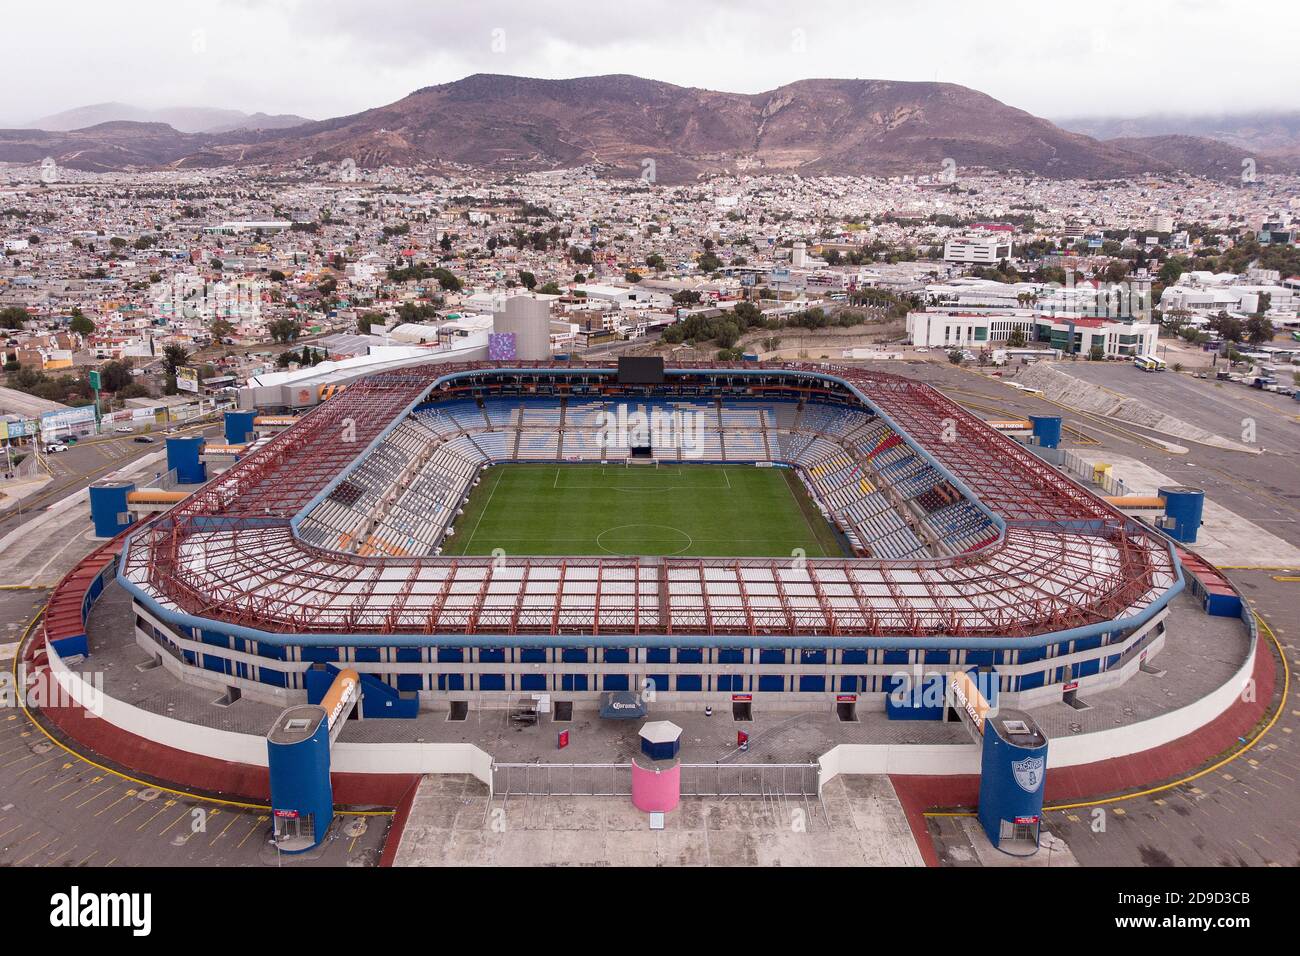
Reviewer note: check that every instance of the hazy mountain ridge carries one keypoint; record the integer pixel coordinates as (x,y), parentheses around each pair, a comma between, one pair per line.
(184,119)
(626,123)
(1264,132)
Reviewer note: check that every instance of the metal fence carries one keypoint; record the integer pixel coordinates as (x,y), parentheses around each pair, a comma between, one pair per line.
(1082,469)
(750,780)
(562,779)
(764,780)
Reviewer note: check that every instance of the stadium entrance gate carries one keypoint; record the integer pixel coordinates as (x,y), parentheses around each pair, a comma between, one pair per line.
(778,785)
(615,780)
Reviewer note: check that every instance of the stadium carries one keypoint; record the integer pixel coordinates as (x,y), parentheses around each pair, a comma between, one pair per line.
(437,565)
(409,528)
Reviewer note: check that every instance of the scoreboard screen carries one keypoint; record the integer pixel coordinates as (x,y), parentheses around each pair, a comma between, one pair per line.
(640,371)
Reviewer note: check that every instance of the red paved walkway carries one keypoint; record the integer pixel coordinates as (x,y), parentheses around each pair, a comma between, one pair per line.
(207,775)
(1137,771)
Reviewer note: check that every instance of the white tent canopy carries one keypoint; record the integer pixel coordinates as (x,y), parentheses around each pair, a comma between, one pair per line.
(660,732)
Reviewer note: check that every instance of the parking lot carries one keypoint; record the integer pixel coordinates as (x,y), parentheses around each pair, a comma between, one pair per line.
(58,809)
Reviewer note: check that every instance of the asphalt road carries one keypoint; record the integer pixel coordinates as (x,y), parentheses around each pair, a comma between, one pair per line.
(87,461)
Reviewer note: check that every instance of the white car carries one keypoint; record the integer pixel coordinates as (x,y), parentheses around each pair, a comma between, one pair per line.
(123,430)
(53,447)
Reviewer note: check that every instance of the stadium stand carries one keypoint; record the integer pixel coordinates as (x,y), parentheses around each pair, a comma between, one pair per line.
(860,472)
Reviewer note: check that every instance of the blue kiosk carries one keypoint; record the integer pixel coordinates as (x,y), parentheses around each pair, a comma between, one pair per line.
(1013,767)
(298,754)
(109,511)
(1183,509)
(1047,429)
(239,427)
(183,457)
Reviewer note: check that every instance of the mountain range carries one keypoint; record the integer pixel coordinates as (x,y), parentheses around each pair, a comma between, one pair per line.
(620,123)
(184,119)
(1270,133)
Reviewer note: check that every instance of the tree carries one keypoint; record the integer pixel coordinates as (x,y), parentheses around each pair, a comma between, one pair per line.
(115,376)
(709,262)
(173,357)
(632,276)
(655,262)
(445,243)
(447,281)
(1016,340)
(1258,330)
(13,317)
(1229,326)
(527,279)
(283,330)
(285,359)
(1175,319)
(551,289)
(1097,353)
(81,324)
(221,329)
(367,320)
(955,356)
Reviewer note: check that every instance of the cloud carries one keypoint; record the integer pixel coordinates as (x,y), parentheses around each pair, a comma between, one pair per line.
(332,57)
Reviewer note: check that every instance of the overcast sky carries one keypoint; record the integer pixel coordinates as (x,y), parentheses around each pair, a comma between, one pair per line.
(323,58)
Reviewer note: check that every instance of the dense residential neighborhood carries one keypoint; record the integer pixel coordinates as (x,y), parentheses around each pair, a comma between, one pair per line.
(249,275)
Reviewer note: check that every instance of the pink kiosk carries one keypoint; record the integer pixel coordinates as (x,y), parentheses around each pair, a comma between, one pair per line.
(657,771)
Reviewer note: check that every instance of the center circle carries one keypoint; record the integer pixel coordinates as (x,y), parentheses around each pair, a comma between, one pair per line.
(644,540)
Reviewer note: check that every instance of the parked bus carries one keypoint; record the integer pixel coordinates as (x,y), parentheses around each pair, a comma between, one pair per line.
(1149,363)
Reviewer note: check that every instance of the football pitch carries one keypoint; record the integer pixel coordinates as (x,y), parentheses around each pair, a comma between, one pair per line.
(695,510)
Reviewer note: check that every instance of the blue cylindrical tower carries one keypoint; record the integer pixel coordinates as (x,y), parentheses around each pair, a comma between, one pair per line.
(302,798)
(183,457)
(108,506)
(1013,770)
(1184,506)
(239,427)
(1047,429)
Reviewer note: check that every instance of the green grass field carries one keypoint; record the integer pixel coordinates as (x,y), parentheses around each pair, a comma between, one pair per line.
(699,510)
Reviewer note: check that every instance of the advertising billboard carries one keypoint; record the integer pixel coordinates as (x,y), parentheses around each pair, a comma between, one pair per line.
(187,379)
(66,420)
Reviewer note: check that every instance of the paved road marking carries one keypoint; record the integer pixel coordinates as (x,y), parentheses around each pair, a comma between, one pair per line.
(151,819)
(233,818)
(95,797)
(257,825)
(34,852)
(185,812)
(114,803)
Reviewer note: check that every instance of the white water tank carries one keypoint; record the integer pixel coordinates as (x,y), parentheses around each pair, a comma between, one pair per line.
(529,320)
